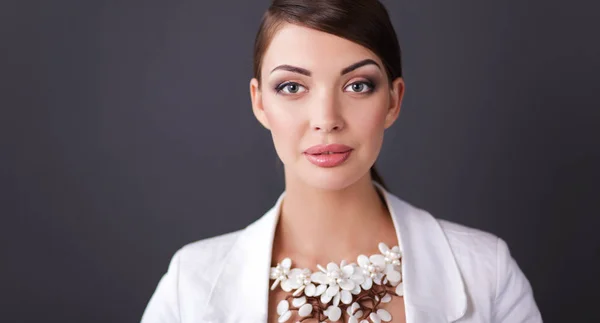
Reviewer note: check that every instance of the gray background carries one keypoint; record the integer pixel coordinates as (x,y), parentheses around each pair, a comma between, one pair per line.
(126,132)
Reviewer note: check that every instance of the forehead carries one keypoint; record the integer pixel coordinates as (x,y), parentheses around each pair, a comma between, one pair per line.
(312,49)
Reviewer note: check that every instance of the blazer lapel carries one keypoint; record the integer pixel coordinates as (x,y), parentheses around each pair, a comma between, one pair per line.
(240,293)
(433,287)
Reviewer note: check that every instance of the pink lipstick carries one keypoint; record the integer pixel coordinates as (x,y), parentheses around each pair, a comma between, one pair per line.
(328,155)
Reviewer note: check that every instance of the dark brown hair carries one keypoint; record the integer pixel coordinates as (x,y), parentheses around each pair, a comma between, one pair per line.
(365,22)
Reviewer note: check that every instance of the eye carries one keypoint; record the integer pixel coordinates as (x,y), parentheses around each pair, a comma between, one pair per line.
(360,87)
(290,88)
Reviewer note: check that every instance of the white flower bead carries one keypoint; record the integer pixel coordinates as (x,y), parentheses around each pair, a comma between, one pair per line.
(383,248)
(333,290)
(392,274)
(282,307)
(348,270)
(297,302)
(336,299)
(400,289)
(286,263)
(384,315)
(282,268)
(298,291)
(386,299)
(298,277)
(346,284)
(284,317)
(286,285)
(305,310)
(367,284)
(325,299)
(372,269)
(320,290)
(346,297)
(378,261)
(332,267)
(350,310)
(390,254)
(334,313)
(319,277)
(374,318)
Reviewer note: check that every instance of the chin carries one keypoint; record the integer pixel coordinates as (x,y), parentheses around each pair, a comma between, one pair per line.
(334,178)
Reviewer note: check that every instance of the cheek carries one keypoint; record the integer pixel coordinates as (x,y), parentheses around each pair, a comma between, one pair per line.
(369,121)
(280,116)
(286,128)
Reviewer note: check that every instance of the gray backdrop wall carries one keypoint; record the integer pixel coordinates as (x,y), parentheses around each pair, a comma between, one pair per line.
(126,128)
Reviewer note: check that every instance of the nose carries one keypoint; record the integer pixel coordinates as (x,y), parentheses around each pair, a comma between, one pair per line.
(326,114)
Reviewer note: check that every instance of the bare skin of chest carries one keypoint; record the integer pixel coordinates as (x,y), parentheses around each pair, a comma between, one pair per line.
(395,307)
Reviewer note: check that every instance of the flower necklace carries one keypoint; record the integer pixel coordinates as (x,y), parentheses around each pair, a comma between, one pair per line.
(358,289)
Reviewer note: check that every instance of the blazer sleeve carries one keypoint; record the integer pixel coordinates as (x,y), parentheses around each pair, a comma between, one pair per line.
(163,306)
(514,302)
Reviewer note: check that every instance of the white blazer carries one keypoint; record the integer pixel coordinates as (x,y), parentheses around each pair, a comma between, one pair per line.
(451,273)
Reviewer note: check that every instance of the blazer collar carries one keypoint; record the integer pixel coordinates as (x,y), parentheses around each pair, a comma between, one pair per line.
(433,287)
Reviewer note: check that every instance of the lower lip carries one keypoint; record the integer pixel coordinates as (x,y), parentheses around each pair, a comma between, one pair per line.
(329,160)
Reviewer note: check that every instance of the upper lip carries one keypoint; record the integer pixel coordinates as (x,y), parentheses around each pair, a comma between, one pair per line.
(331,148)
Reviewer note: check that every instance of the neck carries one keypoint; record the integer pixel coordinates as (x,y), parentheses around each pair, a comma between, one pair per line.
(317,224)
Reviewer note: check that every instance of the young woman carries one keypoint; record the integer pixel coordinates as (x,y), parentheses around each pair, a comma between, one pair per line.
(337,246)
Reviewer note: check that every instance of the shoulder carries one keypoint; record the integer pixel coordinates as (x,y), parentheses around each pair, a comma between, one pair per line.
(465,240)
(188,280)
(476,251)
(199,265)
(202,257)
(476,264)
(220,243)
(489,269)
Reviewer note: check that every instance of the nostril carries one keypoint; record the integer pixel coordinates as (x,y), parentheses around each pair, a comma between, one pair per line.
(327,128)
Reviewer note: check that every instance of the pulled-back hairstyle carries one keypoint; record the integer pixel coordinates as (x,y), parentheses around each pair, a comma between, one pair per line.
(365,22)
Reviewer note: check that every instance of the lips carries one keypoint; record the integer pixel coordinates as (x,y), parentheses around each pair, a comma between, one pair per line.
(328,149)
(328,155)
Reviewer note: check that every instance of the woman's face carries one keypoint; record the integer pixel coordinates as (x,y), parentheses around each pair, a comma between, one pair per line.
(318,89)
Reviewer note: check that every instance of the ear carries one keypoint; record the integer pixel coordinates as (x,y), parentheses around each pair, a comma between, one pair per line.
(257,105)
(396,95)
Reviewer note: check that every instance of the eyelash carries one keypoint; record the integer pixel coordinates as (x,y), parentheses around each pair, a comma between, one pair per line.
(283,85)
(368,83)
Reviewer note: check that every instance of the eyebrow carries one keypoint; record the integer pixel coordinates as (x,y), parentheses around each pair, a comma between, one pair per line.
(362,63)
(293,69)
(346,70)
